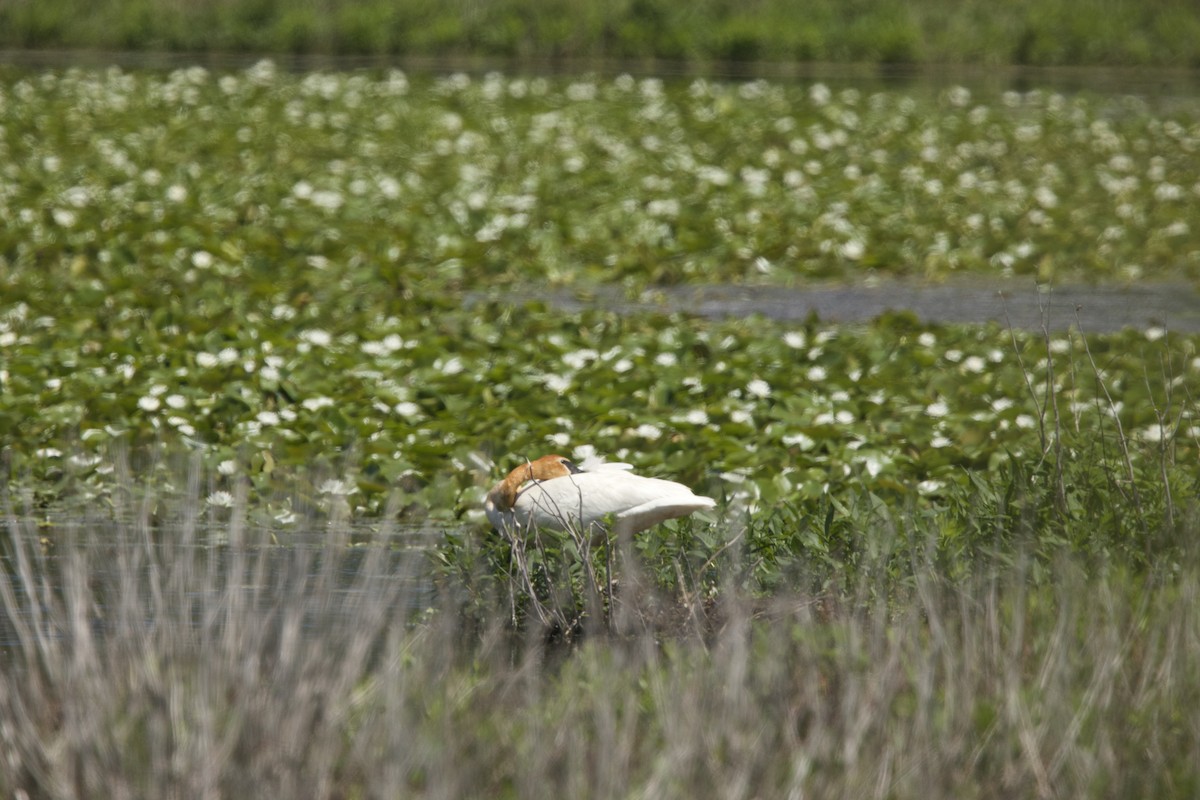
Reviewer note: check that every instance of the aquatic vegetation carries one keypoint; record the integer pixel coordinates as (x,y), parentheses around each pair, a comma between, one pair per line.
(268,270)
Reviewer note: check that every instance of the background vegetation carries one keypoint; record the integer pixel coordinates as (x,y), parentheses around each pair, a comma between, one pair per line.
(1070,32)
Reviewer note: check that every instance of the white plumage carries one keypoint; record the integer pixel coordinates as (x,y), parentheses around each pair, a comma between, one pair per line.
(552,492)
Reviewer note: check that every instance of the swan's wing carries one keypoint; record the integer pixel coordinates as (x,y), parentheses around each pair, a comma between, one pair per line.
(586,498)
(660,509)
(567,502)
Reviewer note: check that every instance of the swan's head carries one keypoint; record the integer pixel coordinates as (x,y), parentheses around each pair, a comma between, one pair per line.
(504,495)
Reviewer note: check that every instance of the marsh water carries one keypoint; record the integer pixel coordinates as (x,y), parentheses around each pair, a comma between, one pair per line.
(1021,305)
(113,578)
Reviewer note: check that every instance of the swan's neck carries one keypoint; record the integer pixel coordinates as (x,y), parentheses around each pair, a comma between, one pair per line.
(503,495)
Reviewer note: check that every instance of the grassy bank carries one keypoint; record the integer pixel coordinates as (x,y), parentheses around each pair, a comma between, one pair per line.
(1109,32)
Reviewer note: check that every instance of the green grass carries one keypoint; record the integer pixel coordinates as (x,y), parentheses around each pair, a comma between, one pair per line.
(1106,32)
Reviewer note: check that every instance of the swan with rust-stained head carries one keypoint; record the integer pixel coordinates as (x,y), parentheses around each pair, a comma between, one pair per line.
(553,492)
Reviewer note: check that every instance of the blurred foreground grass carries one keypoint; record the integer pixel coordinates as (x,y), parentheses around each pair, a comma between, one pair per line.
(135,660)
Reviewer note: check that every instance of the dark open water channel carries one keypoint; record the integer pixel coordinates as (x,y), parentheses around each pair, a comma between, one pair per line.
(1089,309)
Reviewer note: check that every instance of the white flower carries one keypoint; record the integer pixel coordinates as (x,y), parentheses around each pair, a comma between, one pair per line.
(663,208)
(452,366)
(758,388)
(714,175)
(84,460)
(585,452)
(795,340)
(317,403)
(1045,197)
(337,487)
(556,383)
(973,364)
(937,409)
(316,337)
(202,259)
(579,358)
(220,499)
(407,408)
(647,431)
(1151,433)
(48,452)
(958,96)
(1168,191)
(665,359)
(929,486)
(939,441)
(227,467)
(175,192)
(267,417)
(853,250)
(816,374)
(149,403)
(77,196)
(801,440)
(697,416)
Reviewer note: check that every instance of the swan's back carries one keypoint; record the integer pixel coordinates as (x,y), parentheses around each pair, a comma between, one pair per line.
(587,498)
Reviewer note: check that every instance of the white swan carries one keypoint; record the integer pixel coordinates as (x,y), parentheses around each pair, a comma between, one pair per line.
(552,492)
